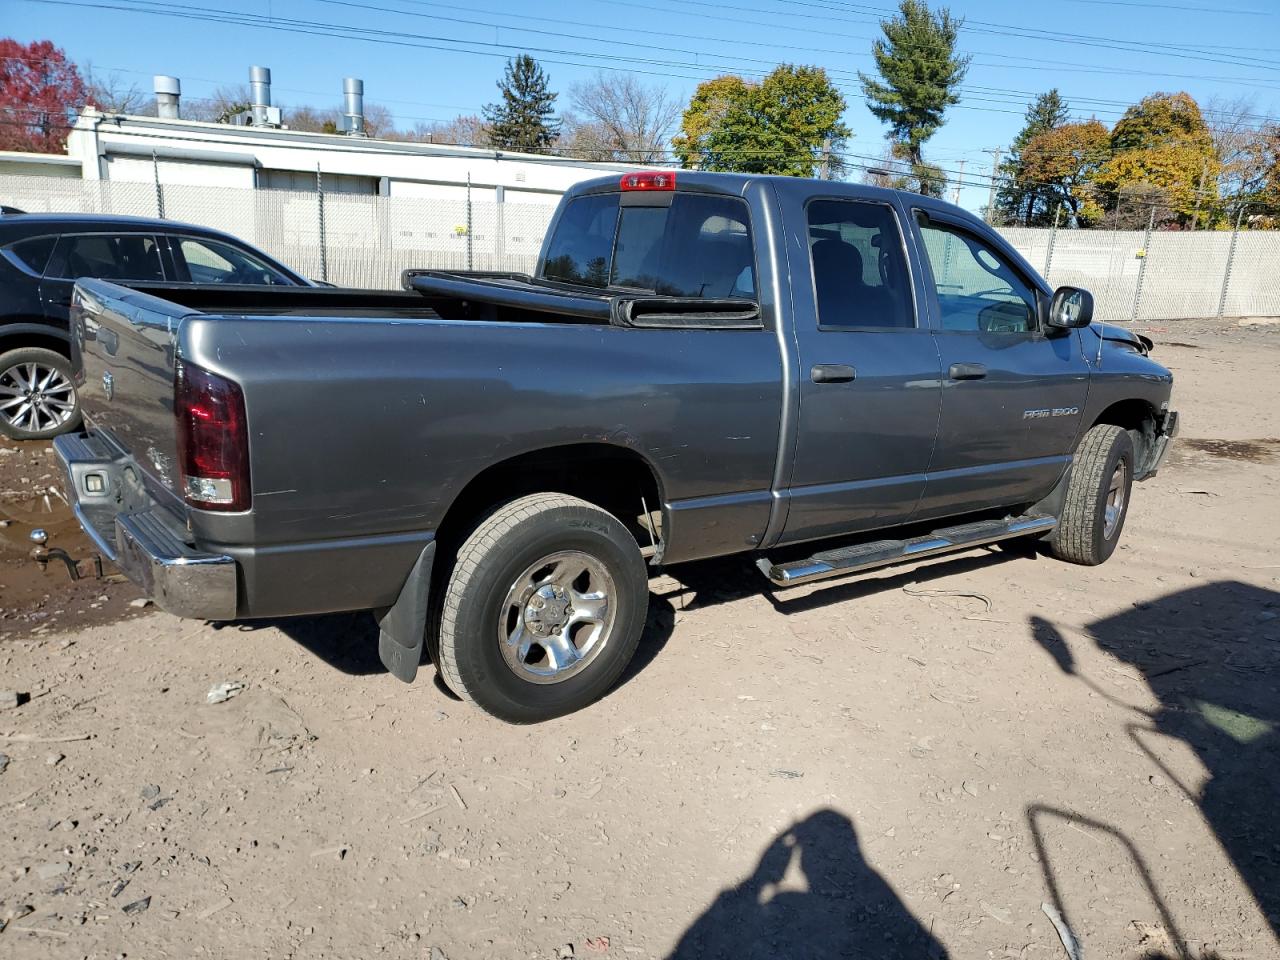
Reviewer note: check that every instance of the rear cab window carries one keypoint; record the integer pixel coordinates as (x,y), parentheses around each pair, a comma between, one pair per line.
(698,245)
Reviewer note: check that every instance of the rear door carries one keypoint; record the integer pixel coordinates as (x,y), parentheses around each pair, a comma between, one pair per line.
(868,368)
(1013,394)
(105,256)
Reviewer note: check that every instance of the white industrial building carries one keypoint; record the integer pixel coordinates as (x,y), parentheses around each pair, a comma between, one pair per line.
(343,205)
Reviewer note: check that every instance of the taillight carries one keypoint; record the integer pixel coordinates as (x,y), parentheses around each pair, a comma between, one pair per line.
(213,440)
(652,180)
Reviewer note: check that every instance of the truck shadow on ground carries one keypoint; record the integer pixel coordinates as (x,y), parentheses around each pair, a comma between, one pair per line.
(843,908)
(349,641)
(708,583)
(1211,656)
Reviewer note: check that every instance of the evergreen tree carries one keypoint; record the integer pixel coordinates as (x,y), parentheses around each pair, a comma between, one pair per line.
(523,120)
(920,74)
(1020,201)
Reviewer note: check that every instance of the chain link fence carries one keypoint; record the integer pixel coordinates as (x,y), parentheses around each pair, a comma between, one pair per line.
(365,241)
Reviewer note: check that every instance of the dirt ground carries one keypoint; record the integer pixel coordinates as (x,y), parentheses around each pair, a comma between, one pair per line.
(907,765)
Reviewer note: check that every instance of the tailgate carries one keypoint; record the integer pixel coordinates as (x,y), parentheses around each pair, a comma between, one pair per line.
(126,346)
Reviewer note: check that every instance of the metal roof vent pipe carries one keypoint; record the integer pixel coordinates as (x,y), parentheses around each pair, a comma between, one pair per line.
(168,92)
(263,114)
(353,107)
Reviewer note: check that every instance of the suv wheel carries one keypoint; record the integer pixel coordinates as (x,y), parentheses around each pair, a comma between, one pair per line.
(1097,500)
(543,609)
(37,398)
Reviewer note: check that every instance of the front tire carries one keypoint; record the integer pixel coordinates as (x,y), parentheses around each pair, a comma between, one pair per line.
(543,609)
(38,400)
(1098,494)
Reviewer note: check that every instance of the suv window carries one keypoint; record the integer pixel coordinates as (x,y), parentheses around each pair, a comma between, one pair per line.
(33,254)
(130,256)
(211,261)
(860,276)
(978,289)
(699,246)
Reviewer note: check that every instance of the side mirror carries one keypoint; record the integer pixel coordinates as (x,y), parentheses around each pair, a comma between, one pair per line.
(1071,309)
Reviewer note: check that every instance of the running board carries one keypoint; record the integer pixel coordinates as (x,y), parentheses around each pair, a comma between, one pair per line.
(881,553)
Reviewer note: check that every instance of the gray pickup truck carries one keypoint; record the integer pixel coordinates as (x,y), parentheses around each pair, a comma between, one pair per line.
(834,377)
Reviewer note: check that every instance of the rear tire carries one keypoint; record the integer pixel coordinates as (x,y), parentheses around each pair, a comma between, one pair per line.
(38,400)
(1097,500)
(543,609)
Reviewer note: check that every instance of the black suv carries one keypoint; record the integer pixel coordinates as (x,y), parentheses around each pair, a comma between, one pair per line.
(42,255)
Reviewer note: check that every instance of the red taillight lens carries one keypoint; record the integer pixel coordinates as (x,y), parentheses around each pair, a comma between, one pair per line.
(213,440)
(653,180)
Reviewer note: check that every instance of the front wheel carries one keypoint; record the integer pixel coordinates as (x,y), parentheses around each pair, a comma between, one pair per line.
(37,398)
(1097,500)
(543,609)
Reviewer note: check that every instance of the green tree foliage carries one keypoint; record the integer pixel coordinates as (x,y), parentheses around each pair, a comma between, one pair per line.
(787,124)
(1162,149)
(920,75)
(524,118)
(1059,165)
(1021,198)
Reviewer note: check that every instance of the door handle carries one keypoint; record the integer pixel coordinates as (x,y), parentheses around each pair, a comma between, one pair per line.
(832,373)
(967,371)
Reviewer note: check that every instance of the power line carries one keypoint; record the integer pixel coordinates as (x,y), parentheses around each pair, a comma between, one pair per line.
(399,38)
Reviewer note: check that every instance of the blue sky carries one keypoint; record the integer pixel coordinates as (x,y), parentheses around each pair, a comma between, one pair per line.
(437,59)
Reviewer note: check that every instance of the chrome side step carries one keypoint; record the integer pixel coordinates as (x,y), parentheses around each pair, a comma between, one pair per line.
(881,553)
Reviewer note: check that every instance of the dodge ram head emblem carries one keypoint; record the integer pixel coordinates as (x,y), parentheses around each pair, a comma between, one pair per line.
(108,384)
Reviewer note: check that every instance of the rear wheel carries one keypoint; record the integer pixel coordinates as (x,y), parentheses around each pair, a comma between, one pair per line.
(37,398)
(543,609)
(1097,499)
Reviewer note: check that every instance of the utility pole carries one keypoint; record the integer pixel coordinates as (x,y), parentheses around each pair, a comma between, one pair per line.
(1204,172)
(995,169)
(824,165)
(959,183)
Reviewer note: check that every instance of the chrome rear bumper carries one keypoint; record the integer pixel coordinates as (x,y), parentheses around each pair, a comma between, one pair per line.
(144,540)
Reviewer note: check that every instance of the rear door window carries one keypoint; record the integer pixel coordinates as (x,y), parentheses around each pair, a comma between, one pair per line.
(129,256)
(860,276)
(698,246)
(32,255)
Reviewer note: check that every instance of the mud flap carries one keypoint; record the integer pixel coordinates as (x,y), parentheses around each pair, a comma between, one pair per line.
(403,625)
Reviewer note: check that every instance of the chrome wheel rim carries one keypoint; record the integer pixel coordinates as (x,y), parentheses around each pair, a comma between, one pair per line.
(1114,509)
(557,617)
(36,397)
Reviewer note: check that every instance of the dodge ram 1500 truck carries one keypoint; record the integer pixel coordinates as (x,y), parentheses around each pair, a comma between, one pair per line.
(834,377)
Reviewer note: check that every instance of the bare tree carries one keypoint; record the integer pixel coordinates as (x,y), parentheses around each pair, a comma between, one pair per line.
(220,107)
(618,113)
(1232,123)
(112,93)
(463,131)
(584,140)
(311,119)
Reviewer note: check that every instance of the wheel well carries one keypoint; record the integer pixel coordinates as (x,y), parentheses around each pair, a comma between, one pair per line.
(16,341)
(1137,417)
(613,478)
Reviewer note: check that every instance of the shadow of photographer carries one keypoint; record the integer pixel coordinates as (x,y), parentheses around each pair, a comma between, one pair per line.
(812,896)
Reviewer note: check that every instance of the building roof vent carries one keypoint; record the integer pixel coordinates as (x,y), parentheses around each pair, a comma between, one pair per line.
(353,107)
(168,92)
(261,112)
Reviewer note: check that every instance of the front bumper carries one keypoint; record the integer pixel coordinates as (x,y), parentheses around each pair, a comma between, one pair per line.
(140,536)
(1166,430)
